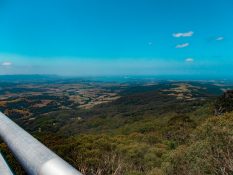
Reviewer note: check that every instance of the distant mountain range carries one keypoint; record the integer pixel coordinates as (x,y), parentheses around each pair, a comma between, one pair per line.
(121,78)
(28,78)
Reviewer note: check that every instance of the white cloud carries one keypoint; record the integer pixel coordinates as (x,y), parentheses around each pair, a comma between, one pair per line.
(182,45)
(220,38)
(189,60)
(186,34)
(6,63)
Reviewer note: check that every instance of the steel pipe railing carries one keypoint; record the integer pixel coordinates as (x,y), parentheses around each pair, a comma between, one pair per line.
(35,157)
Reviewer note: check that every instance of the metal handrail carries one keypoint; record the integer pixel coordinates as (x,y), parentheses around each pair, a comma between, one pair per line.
(35,157)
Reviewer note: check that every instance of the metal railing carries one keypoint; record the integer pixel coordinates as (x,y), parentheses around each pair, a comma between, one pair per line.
(35,157)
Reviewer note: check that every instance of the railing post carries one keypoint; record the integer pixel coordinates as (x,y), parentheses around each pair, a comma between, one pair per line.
(4,169)
(35,157)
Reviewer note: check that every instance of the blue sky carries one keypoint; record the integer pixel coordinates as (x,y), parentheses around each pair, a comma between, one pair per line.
(116,37)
